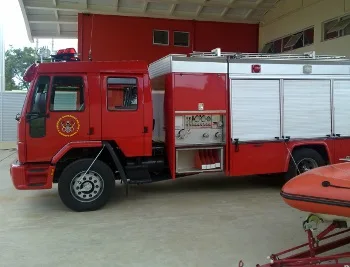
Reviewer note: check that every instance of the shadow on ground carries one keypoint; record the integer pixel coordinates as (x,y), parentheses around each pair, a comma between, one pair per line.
(199,184)
(181,188)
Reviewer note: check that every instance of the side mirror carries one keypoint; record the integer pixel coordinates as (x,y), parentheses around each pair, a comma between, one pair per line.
(18,116)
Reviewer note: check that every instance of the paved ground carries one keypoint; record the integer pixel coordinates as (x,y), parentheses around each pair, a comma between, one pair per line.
(196,221)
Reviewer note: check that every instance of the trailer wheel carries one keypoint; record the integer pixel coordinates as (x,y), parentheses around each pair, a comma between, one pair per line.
(306,159)
(89,192)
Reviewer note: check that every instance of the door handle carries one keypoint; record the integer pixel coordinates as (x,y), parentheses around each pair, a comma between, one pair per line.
(91,131)
(145,129)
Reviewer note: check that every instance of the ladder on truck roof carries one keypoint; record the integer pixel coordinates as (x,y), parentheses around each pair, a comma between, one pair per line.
(234,55)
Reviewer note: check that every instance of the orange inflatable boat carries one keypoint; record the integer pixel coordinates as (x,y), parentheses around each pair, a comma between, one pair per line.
(324,190)
(324,193)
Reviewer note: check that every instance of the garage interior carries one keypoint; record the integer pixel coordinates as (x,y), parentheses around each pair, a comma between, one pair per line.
(282,26)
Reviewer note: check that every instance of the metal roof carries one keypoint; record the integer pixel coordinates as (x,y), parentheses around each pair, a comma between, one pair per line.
(59,18)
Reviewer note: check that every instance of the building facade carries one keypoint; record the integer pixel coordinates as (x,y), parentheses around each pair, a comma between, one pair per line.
(296,26)
(135,38)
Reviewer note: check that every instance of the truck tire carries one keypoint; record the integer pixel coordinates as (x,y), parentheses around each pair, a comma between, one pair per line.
(306,159)
(87,193)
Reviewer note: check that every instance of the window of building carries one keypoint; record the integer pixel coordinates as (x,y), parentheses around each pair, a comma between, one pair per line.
(277,46)
(295,41)
(67,94)
(181,39)
(327,30)
(309,36)
(336,28)
(121,93)
(268,48)
(285,40)
(161,37)
(290,42)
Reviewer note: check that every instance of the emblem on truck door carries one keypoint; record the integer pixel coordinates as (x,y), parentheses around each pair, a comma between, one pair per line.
(68,126)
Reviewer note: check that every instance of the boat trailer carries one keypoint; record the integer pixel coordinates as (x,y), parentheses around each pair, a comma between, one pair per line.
(316,245)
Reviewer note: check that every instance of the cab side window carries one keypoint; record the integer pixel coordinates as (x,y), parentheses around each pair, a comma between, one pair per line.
(121,93)
(67,94)
(40,94)
(38,108)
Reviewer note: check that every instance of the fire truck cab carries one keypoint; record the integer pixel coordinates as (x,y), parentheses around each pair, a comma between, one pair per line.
(86,124)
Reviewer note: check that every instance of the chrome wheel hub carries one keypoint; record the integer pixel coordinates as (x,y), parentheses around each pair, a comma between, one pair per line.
(88,187)
(306,164)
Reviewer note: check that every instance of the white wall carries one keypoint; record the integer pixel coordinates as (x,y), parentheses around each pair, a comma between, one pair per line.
(2,57)
(291,16)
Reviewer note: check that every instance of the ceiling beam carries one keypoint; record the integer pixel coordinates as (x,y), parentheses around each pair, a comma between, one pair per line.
(63,7)
(51,22)
(172,9)
(35,4)
(115,8)
(145,6)
(249,13)
(26,22)
(131,12)
(226,9)
(224,4)
(58,29)
(54,34)
(55,11)
(199,10)
(51,19)
(258,3)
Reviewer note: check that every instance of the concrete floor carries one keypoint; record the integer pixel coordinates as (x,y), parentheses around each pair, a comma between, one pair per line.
(195,221)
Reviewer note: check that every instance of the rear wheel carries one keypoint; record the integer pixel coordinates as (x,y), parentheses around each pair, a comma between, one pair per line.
(81,189)
(305,159)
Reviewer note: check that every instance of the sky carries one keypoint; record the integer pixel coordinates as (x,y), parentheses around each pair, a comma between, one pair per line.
(15,32)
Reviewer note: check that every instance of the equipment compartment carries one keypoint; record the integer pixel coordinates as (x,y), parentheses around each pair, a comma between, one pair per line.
(199,129)
(206,159)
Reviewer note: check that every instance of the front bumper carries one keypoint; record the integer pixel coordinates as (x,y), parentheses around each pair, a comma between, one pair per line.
(31,176)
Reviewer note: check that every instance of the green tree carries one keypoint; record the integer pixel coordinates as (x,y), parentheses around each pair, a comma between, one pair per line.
(16,62)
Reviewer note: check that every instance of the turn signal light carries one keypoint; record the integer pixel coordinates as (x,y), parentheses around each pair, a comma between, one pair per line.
(59,52)
(70,51)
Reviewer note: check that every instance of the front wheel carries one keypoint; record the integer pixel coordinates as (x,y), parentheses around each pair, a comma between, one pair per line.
(305,159)
(82,190)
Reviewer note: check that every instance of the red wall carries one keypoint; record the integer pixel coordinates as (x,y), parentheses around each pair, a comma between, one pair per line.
(125,38)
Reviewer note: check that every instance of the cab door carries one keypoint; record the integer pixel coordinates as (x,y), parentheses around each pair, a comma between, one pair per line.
(123,112)
(59,114)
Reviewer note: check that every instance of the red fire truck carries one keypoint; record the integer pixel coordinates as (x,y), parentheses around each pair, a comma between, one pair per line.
(86,124)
